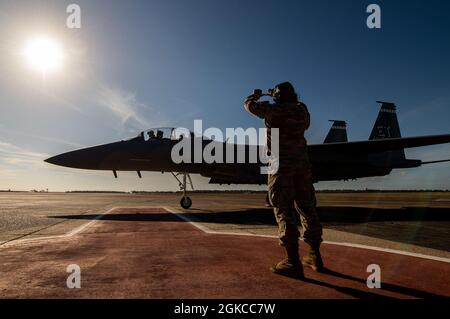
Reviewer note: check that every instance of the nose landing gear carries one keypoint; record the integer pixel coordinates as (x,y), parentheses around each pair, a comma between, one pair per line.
(186,201)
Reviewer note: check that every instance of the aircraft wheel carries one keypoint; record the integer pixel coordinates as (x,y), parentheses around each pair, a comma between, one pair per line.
(186,202)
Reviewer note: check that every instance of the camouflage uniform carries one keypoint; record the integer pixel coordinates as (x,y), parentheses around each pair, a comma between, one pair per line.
(291,189)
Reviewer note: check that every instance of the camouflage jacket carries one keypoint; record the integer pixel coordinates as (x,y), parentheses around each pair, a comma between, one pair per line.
(292,120)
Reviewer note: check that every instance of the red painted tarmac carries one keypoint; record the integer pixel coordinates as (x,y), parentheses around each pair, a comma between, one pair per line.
(150,253)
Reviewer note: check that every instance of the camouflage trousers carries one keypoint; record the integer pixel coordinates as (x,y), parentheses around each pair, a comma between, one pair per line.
(292,195)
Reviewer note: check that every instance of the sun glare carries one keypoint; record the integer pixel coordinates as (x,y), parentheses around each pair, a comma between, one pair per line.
(43,54)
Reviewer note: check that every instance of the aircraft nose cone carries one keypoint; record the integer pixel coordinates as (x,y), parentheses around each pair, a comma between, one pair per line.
(89,158)
(56,160)
(70,159)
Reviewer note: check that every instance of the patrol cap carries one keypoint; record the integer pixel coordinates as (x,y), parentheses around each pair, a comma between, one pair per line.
(286,92)
(286,87)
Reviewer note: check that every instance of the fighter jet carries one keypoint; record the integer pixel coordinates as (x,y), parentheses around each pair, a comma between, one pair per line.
(336,159)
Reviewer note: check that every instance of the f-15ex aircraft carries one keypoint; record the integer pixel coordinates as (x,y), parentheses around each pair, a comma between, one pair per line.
(336,159)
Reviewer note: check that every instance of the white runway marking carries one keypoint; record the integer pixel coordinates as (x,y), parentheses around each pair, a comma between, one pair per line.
(386,250)
(66,235)
(205,229)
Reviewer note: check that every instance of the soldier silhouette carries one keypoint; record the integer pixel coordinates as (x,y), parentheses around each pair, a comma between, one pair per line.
(291,190)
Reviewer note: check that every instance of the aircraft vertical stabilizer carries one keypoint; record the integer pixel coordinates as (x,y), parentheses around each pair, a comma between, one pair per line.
(386,126)
(337,133)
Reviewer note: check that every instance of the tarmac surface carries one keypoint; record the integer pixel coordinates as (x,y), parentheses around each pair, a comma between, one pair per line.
(151,253)
(222,248)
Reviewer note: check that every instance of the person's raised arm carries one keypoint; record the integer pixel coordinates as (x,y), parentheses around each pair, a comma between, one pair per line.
(254,107)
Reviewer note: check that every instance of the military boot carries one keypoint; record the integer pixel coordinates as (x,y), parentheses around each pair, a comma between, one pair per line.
(291,266)
(313,259)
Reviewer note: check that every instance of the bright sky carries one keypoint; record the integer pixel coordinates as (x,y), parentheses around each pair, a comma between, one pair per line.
(140,64)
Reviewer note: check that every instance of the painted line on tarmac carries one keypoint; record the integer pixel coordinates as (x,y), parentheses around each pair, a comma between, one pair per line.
(196,223)
(69,234)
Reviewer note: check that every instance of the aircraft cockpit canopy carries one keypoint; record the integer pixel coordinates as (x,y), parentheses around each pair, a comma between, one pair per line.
(163,133)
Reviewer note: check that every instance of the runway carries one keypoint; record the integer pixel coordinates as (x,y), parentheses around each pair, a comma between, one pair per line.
(412,222)
(148,252)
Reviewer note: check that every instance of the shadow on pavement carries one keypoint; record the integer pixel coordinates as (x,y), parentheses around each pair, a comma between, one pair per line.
(426,227)
(365,294)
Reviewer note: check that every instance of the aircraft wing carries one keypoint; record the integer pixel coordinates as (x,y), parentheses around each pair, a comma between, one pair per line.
(381,145)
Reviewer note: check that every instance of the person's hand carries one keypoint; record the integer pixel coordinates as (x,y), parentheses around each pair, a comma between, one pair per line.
(257,94)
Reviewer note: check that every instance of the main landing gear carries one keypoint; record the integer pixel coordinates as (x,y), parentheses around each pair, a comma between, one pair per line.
(186,201)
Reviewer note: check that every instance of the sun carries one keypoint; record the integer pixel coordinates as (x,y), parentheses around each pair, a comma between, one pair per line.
(43,54)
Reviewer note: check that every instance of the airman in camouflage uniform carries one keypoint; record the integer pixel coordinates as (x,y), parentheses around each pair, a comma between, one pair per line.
(291,189)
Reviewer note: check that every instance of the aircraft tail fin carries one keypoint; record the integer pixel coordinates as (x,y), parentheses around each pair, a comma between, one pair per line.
(386,126)
(337,133)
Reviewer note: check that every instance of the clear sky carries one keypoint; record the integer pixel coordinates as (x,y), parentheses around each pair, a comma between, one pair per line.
(140,64)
